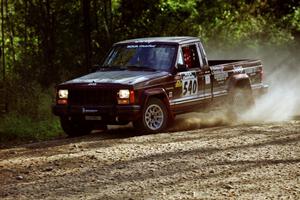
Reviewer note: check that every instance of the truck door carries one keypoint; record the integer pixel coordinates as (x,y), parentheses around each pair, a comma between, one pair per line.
(189,88)
(206,76)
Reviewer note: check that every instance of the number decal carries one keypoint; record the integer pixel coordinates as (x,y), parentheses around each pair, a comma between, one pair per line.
(195,86)
(189,83)
(184,88)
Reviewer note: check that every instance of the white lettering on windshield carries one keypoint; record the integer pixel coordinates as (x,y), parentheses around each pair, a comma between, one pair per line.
(141,46)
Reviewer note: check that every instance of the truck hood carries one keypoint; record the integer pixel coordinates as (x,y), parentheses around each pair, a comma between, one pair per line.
(119,77)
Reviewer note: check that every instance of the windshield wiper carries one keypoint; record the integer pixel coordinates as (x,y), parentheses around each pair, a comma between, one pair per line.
(113,67)
(142,68)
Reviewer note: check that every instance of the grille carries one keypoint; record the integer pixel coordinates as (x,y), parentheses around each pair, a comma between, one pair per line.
(92,97)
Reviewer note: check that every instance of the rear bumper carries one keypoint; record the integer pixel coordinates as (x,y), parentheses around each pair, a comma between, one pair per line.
(109,114)
(260,89)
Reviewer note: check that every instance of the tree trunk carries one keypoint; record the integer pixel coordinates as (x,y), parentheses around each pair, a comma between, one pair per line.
(87,33)
(11,34)
(50,40)
(3,41)
(25,27)
(2,52)
(49,73)
(108,20)
(95,6)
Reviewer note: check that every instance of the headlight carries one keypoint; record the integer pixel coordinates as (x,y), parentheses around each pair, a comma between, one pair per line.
(124,94)
(63,94)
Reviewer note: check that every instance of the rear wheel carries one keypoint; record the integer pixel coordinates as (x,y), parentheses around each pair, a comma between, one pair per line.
(154,117)
(240,100)
(75,128)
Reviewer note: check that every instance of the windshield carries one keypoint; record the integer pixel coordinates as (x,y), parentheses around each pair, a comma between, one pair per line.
(141,56)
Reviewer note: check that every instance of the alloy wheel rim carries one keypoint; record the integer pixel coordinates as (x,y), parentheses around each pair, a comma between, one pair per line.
(154,117)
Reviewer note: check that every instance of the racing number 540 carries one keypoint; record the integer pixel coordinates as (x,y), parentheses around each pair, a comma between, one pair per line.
(189,87)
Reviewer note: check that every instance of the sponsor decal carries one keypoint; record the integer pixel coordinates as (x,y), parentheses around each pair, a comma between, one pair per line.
(217,69)
(207,79)
(238,69)
(251,70)
(221,76)
(178,83)
(140,46)
(188,75)
(89,110)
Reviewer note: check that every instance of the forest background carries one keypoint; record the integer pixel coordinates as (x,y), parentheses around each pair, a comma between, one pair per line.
(45,42)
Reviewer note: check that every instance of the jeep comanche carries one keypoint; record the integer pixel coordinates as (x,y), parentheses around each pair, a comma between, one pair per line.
(148,81)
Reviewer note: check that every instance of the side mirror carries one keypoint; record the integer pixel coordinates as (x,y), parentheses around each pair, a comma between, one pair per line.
(182,67)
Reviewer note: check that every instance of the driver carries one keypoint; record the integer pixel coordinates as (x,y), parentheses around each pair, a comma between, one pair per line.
(143,57)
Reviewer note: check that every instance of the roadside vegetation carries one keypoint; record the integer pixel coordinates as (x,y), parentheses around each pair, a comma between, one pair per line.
(46,42)
(30,117)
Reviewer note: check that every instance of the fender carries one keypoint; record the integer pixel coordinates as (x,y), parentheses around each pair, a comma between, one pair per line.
(159,93)
(238,80)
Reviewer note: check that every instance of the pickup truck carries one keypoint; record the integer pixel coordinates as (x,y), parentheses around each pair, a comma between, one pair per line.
(148,81)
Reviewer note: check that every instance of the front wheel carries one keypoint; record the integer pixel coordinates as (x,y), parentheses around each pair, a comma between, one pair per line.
(154,117)
(75,128)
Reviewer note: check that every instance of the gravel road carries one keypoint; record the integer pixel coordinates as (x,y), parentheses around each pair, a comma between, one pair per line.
(218,161)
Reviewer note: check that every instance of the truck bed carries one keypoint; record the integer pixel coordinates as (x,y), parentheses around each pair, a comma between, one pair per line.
(224,62)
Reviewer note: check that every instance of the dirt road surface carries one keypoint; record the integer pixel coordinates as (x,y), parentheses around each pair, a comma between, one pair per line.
(245,161)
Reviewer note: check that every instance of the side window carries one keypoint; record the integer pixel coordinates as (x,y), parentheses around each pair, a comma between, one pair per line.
(180,58)
(191,56)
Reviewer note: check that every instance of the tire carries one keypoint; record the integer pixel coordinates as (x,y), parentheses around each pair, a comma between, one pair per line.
(74,128)
(240,100)
(154,118)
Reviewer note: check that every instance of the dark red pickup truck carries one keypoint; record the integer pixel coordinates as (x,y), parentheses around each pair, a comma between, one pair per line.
(148,81)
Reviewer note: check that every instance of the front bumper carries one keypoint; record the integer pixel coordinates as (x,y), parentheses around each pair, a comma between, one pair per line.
(109,114)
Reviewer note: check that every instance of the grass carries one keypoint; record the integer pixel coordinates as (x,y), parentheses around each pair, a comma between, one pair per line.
(20,128)
(30,117)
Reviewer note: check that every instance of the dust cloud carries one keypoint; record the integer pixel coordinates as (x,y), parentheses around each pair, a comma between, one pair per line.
(281,103)
(196,120)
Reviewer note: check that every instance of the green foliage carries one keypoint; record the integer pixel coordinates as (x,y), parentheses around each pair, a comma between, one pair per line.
(44,40)
(30,116)
(292,20)
(29,99)
(240,24)
(17,127)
